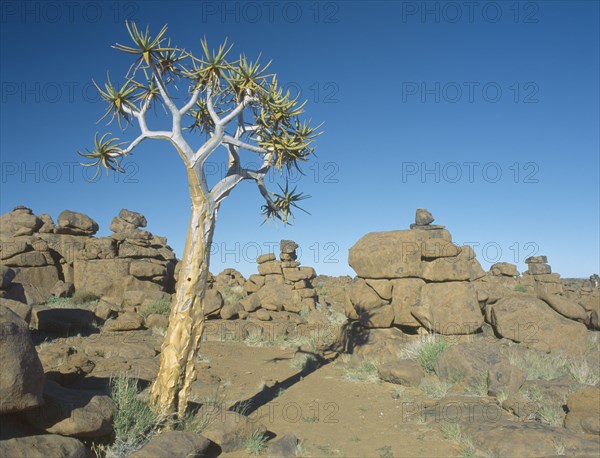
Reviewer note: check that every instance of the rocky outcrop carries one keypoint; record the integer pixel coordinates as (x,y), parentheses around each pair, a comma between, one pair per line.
(41,259)
(415,278)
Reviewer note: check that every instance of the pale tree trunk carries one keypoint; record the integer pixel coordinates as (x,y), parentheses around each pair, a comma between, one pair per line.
(170,392)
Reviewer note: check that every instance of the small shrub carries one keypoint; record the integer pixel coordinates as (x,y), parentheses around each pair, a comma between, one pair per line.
(305,362)
(479,387)
(520,288)
(363,372)
(60,302)
(232,294)
(538,366)
(550,415)
(385,452)
(161,307)
(133,420)
(435,389)
(428,353)
(255,443)
(195,421)
(451,431)
(583,374)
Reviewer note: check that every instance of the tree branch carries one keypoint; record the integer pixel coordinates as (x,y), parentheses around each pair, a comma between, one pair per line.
(190,103)
(228,139)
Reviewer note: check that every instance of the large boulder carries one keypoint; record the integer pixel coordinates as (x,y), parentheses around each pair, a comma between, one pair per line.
(406,294)
(22,375)
(363,297)
(74,223)
(7,275)
(276,297)
(531,322)
(449,308)
(43,446)
(391,254)
(230,429)
(73,412)
(174,443)
(20,221)
(584,411)
(463,267)
(467,363)
(565,307)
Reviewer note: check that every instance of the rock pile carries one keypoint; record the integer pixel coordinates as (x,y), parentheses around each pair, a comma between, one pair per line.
(41,259)
(415,278)
(418,278)
(39,414)
(280,285)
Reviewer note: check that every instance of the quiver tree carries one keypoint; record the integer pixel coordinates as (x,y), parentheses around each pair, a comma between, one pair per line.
(238,109)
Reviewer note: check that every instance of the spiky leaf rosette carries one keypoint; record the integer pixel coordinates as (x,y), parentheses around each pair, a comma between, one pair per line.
(106,154)
(120,101)
(149,50)
(281,205)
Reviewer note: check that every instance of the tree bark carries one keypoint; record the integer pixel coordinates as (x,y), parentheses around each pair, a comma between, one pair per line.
(171,389)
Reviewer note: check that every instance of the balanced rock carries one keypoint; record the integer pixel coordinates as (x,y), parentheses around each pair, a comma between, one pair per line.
(423,217)
(74,223)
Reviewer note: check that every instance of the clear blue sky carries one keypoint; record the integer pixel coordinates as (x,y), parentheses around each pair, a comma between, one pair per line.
(487,115)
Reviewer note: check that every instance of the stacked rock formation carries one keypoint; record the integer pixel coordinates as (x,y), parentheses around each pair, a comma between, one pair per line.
(280,285)
(540,277)
(419,278)
(41,259)
(415,278)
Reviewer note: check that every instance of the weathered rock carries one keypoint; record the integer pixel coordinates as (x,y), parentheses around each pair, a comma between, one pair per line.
(147,269)
(449,308)
(504,269)
(383,288)
(103,248)
(288,246)
(263,315)
(20,221)
(73,412)
(539,269)
(584,411)
(62,289)
(504,437)
(402,372)
(44,446)
(438,248)
(230,311)
(536,260)
(37,282)
(22,309)
(174,444)
(251,303)
(283,447)
(102,277)
(423,217)
(6,276)
(155,320)
(381,317)
(265,258)
(504,378)
(467,363)
(299,273)
(529,321)
(459,268)
(565,307)
(392,254)
(406,295)
(363,297)
(22,375)
(74,223)
(127,321)
(230,429)
(270,268)
(274,279)
(275,297)
(48,225)
(213,301)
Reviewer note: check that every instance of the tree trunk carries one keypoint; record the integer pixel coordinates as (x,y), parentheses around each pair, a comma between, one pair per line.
(171,389)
